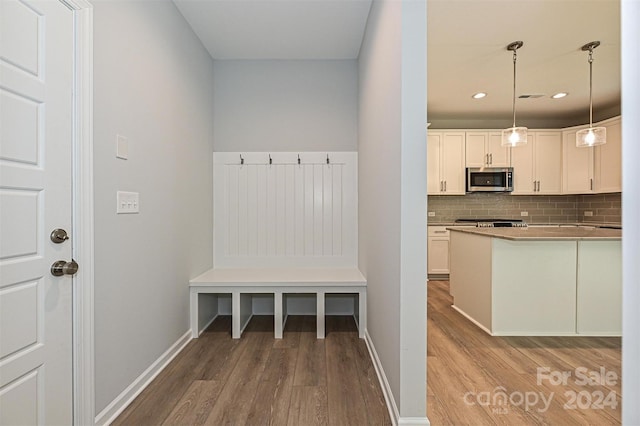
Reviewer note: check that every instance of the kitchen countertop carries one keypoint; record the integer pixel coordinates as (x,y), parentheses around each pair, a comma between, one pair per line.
(564,224)
(544,233)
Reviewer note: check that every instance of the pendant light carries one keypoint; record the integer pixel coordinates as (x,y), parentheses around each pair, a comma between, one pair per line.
(514,136)
(593,135)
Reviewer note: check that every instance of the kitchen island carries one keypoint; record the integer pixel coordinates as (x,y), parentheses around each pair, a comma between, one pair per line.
(558,281)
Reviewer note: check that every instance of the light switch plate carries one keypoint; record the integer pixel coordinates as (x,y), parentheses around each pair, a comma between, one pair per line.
(588,213)
(127,202)
(122,147)
(524,213)
(432,214)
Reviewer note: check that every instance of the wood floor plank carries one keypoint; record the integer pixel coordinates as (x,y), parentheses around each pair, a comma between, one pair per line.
(309,406)
(311,368)
(194,407)
(345,400)
(273,396)
(450,390)
(156,402)
(220,360)
(291,333)
(234,403)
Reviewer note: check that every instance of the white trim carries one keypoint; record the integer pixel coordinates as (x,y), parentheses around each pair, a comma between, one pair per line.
(413,421)
(386,389)
(382,378)
(467,316)
(630,16)
(83,227)
(122,401)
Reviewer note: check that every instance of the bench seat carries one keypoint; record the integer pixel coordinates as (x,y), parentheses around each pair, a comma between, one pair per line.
(241,283)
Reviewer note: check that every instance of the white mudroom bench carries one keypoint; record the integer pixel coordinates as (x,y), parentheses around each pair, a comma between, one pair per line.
(243,283)
(285,231)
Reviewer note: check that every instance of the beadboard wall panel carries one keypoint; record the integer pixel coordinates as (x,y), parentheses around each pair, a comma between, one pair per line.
(271,210)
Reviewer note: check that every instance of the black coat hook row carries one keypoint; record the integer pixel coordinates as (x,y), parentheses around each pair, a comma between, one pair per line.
(328,160)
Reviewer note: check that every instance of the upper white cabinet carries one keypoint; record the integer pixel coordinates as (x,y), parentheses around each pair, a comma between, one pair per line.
(445,163)
(608,159)
(596,169)
(537,166)
(577,165)
(484,149)
(550,163)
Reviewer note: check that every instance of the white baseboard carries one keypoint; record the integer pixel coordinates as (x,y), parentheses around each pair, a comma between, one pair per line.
(386,390)
(480,326)
(413,421)
(122,401)
(384,383)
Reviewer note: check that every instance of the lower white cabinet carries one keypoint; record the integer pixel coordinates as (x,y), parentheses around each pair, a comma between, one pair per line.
(437,250)
(599,289)
(555,287)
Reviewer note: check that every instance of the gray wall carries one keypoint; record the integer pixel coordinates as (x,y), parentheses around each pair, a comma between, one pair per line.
(153,84)
(541,208)
(391,191)
(285,105)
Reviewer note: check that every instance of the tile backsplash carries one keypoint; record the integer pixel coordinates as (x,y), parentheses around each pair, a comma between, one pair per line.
(540,208)
(605,208)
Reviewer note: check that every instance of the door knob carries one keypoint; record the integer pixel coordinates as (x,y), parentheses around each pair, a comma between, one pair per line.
(61,268)
(59,236)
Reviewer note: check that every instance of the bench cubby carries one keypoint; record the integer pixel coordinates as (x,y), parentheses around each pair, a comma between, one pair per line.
(283,285)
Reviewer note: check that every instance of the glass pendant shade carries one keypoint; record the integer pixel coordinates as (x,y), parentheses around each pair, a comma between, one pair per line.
(591,137)
(514,136)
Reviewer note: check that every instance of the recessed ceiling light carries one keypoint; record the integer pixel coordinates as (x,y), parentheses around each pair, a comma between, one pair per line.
(559,95)
(479,95)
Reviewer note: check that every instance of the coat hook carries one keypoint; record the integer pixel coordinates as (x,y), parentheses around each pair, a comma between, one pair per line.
(298,158)
(327,158)
(241,159)
(270,159)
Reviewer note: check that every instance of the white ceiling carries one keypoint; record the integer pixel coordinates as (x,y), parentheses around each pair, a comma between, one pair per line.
(466,46)
(467,53)
(278,29)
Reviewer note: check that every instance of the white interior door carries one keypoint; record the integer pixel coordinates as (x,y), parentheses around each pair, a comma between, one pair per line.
(36,81)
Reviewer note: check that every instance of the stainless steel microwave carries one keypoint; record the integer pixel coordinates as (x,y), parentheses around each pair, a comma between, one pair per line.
(489,179)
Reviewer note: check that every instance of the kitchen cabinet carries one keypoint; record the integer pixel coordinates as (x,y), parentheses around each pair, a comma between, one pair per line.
(577,165)
(484,149)
(538,283)
(437,250)
(608,159)
(596,169)
(445,163)
(537,166)
(599,289)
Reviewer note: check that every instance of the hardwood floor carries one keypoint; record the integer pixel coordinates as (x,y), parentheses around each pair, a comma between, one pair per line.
(467,369)
(258,380)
